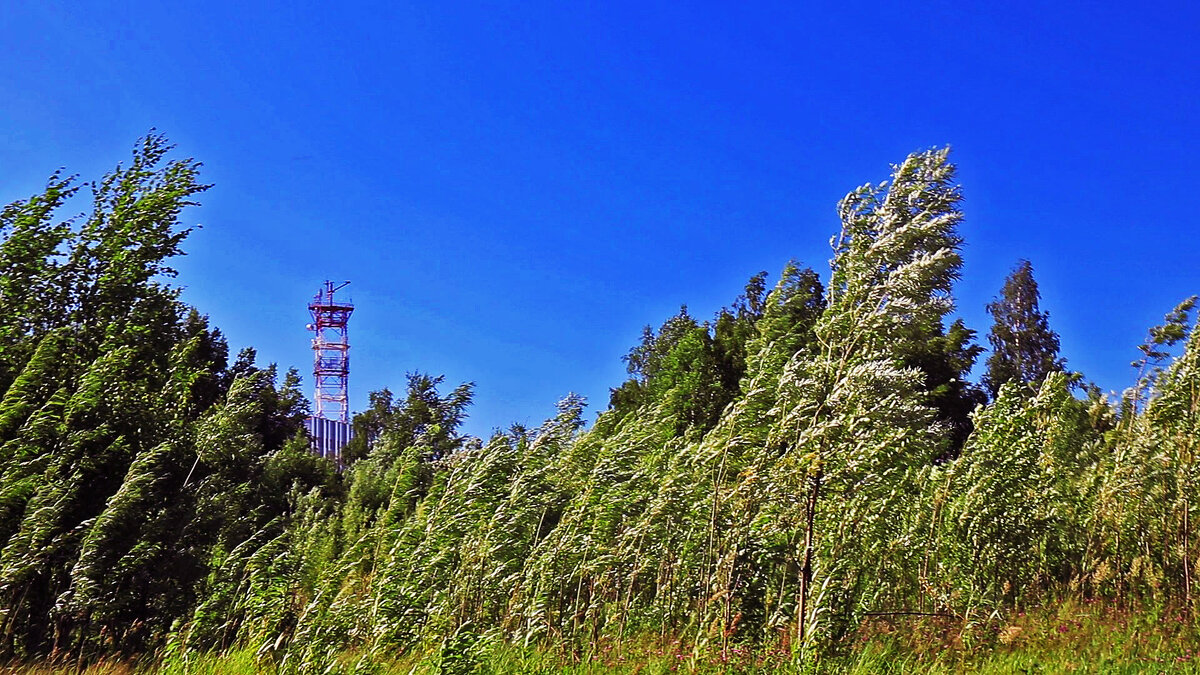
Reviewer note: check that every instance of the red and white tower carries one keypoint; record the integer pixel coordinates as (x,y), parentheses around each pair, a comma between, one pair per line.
(331,353)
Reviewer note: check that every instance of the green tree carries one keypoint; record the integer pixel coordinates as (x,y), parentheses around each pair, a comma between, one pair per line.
(855,428)
(735,327)
(111,328)
(783,328)
(1024,349)
(132,459)
(1015,502)
(679,367)
(946,358)
(32,292)
(1144,542)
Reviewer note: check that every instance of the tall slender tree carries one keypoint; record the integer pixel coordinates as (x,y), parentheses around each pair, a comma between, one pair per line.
(855,425)
(1024,349)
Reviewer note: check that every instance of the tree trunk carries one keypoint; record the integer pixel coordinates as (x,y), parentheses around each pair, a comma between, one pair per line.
(806,567)
(1187,561)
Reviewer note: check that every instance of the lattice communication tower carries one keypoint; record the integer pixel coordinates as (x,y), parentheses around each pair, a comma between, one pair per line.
(331,352)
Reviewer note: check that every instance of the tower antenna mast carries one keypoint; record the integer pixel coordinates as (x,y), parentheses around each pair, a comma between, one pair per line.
(331,352)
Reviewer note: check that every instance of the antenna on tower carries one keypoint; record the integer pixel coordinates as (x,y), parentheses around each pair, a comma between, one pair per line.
(330,423)
(331,352)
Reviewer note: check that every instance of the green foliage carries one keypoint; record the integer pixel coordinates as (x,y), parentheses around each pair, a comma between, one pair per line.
(679,368)
(692,372)
(946,359)
(775,482)
(130,453)
(1012,501)
(423,418)
(1024,349)
(809,459)
(854,429)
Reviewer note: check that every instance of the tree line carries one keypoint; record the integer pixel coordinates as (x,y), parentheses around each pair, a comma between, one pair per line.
(812,456)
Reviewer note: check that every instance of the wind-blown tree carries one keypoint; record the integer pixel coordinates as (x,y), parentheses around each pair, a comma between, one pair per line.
(1014,506)
(785,470)
(31,266)
(1173,419)
(373,567)
(112,326)
(1143,541)
(116,489)
(1024,349)
(1157,349)
(654,527)
(855,427)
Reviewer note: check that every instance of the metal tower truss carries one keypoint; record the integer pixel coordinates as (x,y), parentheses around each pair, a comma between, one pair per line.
(331,352)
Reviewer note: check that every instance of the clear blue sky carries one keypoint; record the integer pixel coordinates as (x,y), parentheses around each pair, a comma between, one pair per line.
(515,189)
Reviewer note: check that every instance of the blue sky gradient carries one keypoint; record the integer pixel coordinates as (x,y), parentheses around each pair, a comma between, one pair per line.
(515,190)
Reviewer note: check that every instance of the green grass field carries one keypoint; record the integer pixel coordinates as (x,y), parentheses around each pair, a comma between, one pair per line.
(1074,637)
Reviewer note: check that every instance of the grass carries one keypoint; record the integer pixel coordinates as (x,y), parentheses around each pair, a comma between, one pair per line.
(1073,637)
(1085,637)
